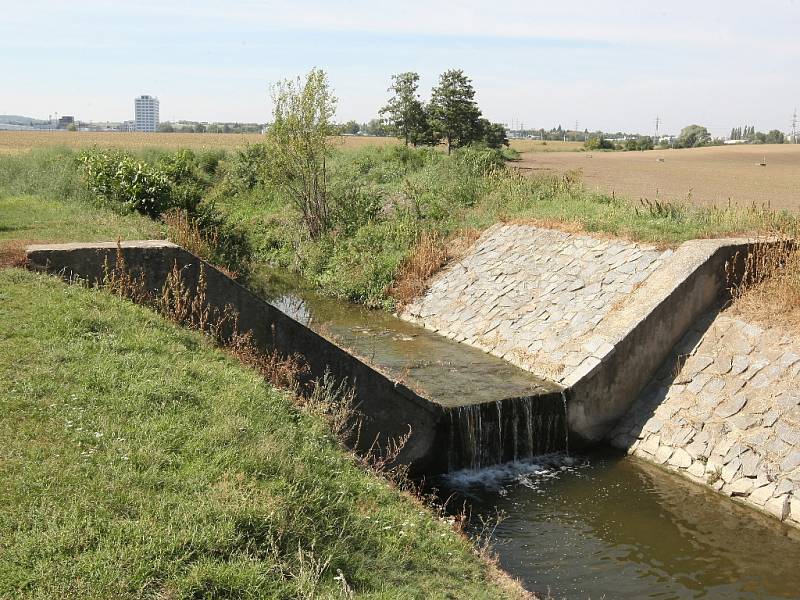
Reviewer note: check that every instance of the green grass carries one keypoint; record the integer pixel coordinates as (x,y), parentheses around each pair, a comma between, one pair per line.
(42,219)
(138,461)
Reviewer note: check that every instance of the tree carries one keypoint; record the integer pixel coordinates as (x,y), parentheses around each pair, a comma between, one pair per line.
(298,142)
(166,128)
(351,127)
(375,127)
(692,136)
(404,110)
(494,134)
(775,137)
(455,115)
(598,142)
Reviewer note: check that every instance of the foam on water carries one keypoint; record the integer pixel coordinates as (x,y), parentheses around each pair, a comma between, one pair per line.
(530,473)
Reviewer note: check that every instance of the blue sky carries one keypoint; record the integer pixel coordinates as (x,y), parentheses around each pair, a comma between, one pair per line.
(613,65)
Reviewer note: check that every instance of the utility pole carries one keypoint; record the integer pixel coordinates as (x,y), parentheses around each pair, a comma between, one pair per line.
(658,122)
(794,126)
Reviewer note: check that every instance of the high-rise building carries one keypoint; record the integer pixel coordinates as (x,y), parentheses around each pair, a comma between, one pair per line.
(146,113)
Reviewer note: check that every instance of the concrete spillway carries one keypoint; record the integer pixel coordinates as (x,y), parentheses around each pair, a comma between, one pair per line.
(463,407)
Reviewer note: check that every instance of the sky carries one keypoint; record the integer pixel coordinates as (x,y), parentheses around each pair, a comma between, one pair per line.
(613,65)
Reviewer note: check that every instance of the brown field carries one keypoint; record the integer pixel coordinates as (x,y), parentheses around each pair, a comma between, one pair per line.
(525,146)
(712,176)
(22,141)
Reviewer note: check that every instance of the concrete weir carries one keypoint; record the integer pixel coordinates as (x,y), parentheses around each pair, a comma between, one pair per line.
(559,332)
(464,408)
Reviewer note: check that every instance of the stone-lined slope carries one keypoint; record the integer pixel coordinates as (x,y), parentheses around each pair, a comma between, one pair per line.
(534,296)
(730,418)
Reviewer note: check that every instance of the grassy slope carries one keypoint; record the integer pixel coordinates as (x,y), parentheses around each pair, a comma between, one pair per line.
(37,218)
(137,460)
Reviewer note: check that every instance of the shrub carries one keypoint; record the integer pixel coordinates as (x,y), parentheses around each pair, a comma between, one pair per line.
(118,177)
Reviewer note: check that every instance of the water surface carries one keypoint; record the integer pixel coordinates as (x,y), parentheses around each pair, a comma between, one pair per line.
(616,527)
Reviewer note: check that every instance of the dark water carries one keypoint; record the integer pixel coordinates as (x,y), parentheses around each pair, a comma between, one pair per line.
(616,527)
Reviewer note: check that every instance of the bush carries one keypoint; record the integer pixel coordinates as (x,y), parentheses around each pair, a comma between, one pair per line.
(118,177)
(597,142)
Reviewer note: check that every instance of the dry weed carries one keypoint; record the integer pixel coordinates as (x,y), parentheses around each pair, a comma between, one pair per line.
(12,253)
(431,253)
(185,231)
(769,289)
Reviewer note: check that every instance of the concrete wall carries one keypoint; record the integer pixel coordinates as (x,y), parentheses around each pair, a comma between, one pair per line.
(642,331)
(442,436)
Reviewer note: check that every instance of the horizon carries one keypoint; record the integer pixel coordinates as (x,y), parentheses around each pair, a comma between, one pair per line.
(614,68)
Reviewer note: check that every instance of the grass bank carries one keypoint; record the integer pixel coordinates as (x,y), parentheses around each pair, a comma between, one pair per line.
(140,461)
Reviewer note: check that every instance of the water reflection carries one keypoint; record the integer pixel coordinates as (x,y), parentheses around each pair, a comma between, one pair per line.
(620,528)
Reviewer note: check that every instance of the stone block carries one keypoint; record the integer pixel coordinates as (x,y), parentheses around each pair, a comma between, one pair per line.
(730,407)
(741,487)
(731,470)
(761,495)
(680,459)
(778,507)
(663,454)
(697,469)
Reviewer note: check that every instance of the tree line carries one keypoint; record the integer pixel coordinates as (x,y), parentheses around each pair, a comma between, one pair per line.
(750,134)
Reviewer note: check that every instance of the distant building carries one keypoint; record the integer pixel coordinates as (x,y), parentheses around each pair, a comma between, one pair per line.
(146,113)
(65,121)
(127,126)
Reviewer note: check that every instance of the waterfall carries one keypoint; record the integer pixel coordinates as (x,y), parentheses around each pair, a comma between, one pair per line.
(517,429)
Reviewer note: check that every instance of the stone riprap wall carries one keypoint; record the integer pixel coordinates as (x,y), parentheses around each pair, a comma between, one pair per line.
(730,418)
(597,316)
(534,296)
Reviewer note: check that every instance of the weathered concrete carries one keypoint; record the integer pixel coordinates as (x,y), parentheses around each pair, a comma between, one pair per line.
(594,315)
(389,406)
(724,410)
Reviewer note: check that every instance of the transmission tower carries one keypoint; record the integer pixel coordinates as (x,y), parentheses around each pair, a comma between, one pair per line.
(658,122)
(794,127)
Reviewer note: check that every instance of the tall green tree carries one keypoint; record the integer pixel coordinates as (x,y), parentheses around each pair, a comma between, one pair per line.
(299,145)
(692,136)
(455,115)
(405,111)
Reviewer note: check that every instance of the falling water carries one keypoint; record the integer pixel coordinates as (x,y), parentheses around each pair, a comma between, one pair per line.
(566,423)
(482,435)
